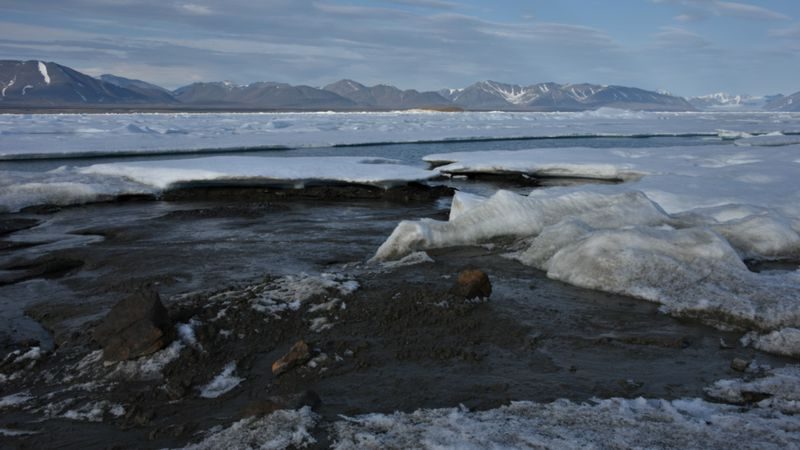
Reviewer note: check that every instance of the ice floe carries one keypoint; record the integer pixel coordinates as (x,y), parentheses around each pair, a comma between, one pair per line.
(73,185)
(64,135)
(295,171)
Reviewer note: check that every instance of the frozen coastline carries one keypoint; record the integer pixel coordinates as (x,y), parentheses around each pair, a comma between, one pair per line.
(708,232)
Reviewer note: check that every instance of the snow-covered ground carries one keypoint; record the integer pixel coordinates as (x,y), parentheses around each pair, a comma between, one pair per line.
(640,423)
(58,135)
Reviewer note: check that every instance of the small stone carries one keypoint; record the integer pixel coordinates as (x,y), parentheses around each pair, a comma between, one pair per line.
(724,345)
(739,364)
(298,354)
(473,283)
(136,326)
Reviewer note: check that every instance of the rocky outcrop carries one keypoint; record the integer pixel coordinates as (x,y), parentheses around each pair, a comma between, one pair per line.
(136,326)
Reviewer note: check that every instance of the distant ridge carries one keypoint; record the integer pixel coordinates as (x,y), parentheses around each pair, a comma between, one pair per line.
(387,97)
(561,97)
(789,103)
(262,94)
(43,85)
(149,90)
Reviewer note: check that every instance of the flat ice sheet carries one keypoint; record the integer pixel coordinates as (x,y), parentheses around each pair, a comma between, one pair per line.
(60,135)
(70,185)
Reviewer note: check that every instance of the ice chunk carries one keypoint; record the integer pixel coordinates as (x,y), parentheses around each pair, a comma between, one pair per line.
(226,381)
(463,201)
(625,243)
(778,389)
(769,140)
(785,341)
(509,214)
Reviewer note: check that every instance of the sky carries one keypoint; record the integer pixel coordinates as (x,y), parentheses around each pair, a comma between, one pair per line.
(687,47)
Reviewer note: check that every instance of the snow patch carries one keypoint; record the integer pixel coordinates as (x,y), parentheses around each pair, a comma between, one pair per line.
(226,381)
(411,259)
(95,411)
(43,71)
(612,423)
(14,400)
(8,85)
(279,430)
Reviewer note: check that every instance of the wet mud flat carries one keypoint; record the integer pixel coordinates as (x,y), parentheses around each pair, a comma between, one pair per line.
(245,281)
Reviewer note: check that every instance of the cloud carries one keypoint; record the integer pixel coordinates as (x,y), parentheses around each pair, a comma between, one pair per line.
(786,33)
(671,37)
(433,4)
(192,8)
(702,9)
(747,11)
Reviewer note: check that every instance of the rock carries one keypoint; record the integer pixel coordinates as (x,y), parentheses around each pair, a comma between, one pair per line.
(473,283)
(739,364)
(298,354)
(136,326)
(260,408)
(724,345)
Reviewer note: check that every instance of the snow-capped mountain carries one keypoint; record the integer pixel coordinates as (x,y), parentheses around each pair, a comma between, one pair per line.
(789,103)
(39,83)
(725,101)
(386,97)
(562,97)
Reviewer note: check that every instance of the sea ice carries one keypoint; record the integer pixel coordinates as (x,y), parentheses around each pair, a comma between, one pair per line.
(64,135)
(676,233)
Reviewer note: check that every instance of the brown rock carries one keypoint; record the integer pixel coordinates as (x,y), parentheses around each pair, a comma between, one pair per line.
(136,326)
(473,283)
(298,354)
(739,364)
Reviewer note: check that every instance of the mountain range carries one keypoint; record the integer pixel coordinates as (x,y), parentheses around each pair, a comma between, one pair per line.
(722,101)
(37,84)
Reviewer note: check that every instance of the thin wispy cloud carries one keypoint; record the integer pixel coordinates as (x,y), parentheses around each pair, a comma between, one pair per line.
(702,9)
(672,37)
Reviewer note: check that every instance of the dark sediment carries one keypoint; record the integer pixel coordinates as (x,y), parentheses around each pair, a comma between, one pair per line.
(411,192)
(404,340)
